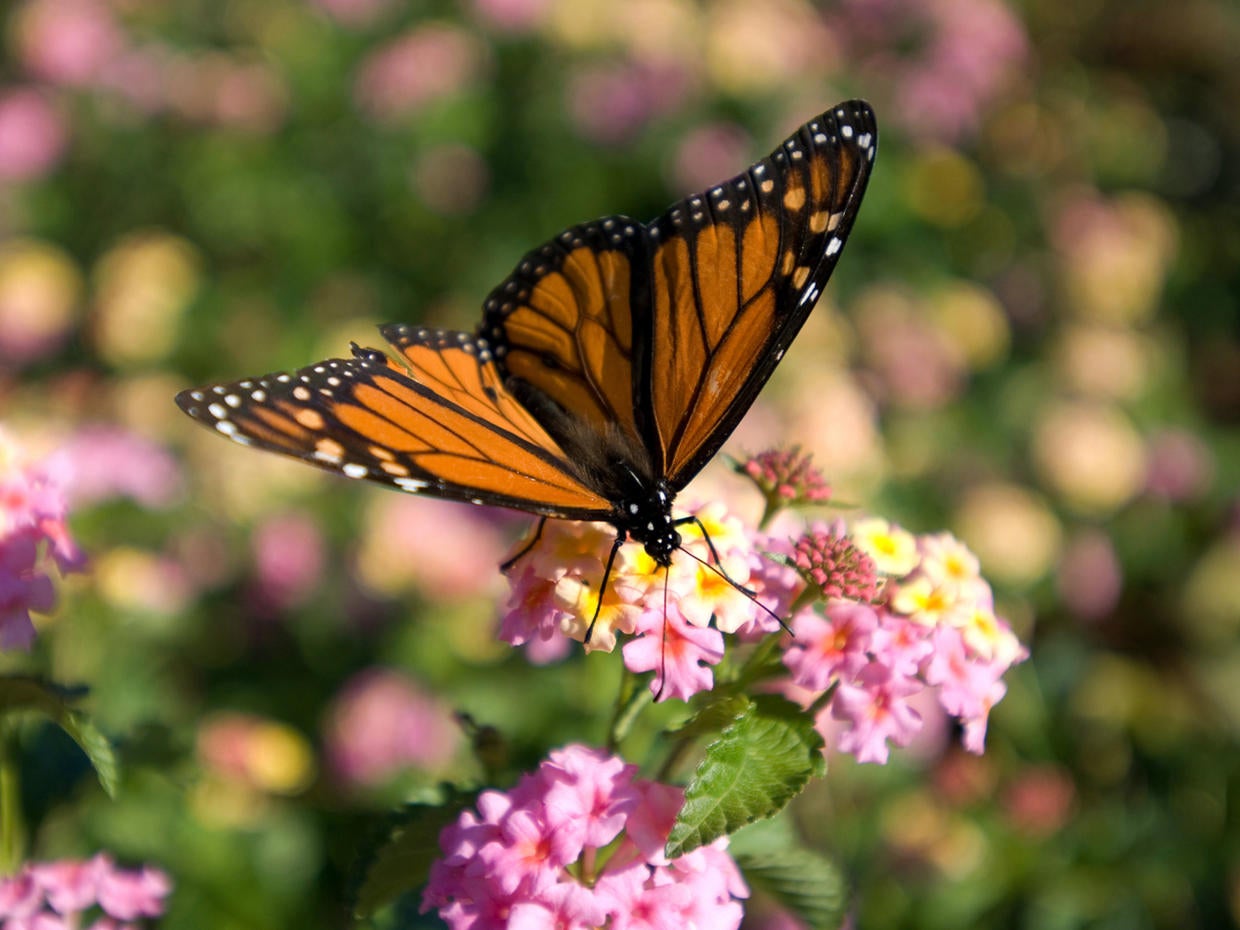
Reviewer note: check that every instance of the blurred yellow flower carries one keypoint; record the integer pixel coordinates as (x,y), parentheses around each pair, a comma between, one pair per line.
(1012,531)
(135,581)
(1115,254)
(40,290)
(1211,598)
(944,188)
(143,285)
(972,318)
(1103,361)
(1089,454)
(754,48)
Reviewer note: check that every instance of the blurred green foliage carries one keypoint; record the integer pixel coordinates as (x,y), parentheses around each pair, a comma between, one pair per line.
(1032,340)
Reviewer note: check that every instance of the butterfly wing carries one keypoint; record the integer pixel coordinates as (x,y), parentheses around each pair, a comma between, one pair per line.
(735,272)
(446,426)
(564,324)
(668,331)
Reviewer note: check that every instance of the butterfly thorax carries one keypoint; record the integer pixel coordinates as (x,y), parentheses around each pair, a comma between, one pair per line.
(647,519)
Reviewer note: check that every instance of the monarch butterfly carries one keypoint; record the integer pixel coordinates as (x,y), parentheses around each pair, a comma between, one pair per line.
(608,368)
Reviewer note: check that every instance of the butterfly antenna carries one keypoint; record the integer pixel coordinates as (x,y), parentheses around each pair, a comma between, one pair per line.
(602,588)
(667,574)
(507,565)
(739,587)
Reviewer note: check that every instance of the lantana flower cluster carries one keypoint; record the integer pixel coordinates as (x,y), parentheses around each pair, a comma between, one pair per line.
(61,895)
(876,613)
(33,535)
(676,618)
(579,844)
(931,623)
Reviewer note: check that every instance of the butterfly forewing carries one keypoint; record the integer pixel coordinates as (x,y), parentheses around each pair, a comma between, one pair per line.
(735,272)
(446,428)
(669,330)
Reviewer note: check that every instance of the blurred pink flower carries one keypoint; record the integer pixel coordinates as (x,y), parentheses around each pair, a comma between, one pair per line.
(32,532)
(382,723)
(1040,800)
(947,59)
(248,96)
(451,178)
(54,895)
(139,76)
(421,66)
(254,754)
(354,13)
(23,588)
(289,556)
(1089,577)
(611,104)
(66,41)
(915,363)
(32,135)
(445,550)
(102,462)
(215,88)
(1179,466)
(707,153)
(511,15)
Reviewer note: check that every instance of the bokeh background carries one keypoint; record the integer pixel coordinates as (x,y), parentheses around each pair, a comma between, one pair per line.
(1032,340)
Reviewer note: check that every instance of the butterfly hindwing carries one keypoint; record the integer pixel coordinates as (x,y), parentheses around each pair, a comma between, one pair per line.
(566,320)
(446,427)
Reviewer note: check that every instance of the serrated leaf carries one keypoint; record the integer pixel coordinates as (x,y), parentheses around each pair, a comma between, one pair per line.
(400,856)
(97,748)
(804,882)
(758,764)
(21,694)
(714,716)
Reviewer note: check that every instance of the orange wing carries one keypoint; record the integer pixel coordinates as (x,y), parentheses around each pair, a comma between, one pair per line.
(563,323)
(735,272)
(666,332)
(446,427)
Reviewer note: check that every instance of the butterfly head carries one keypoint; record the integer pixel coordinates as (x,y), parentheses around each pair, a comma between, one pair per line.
(648,520)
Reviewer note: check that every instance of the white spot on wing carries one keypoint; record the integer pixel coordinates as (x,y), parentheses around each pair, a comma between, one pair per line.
(353,470)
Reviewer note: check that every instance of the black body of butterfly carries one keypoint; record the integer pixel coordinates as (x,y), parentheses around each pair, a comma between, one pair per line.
(608,368)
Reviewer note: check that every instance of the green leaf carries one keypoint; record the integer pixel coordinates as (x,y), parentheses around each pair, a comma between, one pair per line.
(758,764)
(802,881)
(714,715)
(21,694)
(399,858)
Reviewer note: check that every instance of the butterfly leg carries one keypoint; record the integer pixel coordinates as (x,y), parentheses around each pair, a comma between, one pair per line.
(602,588)
(506,565)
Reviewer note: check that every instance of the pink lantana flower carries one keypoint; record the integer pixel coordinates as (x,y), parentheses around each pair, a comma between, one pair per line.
(555,596)
(61,894)
(32,534)
(933,626)
(876,708)
(824,648)
(678,651)
(578,845)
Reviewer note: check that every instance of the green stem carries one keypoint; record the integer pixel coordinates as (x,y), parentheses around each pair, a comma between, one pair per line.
(629,703)
(11,828)
(673,759)
(823,699)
